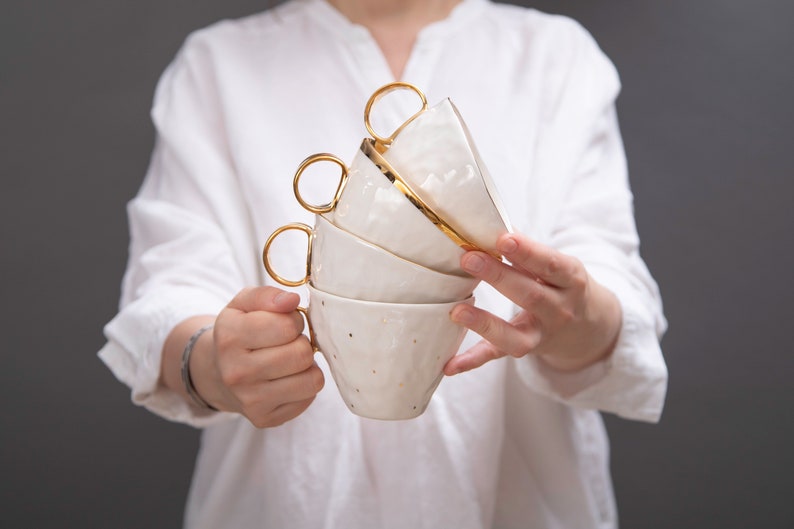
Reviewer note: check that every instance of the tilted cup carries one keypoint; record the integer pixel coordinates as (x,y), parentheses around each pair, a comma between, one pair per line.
(340,263)
(367,205)
(434,156)
(387,359)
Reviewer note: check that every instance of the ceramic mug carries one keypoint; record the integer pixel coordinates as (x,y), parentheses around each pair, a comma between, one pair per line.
(387,359)
(369,206)
(340,263)
(435,157)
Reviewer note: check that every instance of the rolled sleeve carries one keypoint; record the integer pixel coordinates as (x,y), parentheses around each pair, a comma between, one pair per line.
(593,220)
(134,350)
(631,382)
(190,249)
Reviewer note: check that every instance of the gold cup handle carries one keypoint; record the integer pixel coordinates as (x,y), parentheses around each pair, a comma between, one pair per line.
(305,314)
(379,93)
(266,254)
(322,157)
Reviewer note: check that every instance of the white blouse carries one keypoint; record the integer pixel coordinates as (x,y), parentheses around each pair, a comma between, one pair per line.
(509,445)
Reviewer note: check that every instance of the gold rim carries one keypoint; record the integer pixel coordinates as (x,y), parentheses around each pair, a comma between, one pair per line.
(321,157)
(266,254)
(379,93)
(370,150)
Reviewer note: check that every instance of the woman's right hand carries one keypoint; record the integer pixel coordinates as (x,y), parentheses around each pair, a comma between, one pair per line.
(258,363)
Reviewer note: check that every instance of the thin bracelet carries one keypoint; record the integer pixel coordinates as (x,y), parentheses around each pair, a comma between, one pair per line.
(186,379)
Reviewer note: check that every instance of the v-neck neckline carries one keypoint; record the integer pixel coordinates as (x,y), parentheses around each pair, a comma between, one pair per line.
(419,67)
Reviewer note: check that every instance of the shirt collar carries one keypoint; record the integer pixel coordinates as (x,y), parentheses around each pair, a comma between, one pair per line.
(329,16)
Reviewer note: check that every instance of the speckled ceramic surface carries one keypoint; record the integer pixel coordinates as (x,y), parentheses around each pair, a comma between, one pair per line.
(436,155)
(386,358)
(373,209)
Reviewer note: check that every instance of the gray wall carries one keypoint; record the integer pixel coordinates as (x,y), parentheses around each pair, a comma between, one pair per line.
(706,113)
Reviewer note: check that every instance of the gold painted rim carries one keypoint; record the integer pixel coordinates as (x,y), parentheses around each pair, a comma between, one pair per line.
(369,148)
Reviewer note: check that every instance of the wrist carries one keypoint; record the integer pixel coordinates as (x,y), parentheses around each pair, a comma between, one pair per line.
(605,319)
(188,366)
(174,350)
(570,364)
(203,371)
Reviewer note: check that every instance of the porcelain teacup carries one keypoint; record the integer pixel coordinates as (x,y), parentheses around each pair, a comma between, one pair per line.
(434,155)
(367,205)
(340,263)
(386,358)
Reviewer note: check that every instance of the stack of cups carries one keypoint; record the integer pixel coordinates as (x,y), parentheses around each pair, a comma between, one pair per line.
(383,259)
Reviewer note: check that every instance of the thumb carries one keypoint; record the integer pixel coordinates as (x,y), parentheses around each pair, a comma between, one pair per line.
(480,353)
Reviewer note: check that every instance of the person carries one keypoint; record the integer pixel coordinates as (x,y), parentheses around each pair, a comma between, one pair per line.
(567,326)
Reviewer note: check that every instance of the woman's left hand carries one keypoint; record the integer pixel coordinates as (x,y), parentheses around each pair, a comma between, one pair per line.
(566,317)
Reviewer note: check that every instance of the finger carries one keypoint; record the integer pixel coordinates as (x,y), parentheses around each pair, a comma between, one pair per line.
(544,262)
(474,357)
(516,338)
(281,414)
(256,330)
(259,400)
(294,388)
(263,365)
(515,284)
(269,299)
(279,362)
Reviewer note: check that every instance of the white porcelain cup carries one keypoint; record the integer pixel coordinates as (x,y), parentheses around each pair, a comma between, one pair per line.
(340,263)
(386,358)
(369,206)
(434,154)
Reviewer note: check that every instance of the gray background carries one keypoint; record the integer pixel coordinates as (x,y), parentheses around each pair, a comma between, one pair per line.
(706,114)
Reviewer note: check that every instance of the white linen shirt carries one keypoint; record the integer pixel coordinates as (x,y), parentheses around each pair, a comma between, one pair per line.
(509,445)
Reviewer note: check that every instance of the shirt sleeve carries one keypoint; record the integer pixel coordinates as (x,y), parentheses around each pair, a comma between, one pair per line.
(594,221)
(183,223)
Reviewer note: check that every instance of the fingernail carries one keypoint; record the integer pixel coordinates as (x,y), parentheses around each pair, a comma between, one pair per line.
(281,296)
(507,245)
(473,263)
(463,316)
(452,371)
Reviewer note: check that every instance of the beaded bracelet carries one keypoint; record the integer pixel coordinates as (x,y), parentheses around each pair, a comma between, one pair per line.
(186,380)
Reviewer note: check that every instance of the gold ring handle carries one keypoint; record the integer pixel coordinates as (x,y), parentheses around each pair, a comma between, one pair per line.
(266,254)
(379,93)
(322,157)
(305,314)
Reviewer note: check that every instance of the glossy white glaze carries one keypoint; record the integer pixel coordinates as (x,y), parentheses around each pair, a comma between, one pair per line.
(436,155)
(374,210)
(345,265)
